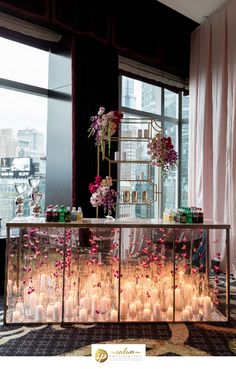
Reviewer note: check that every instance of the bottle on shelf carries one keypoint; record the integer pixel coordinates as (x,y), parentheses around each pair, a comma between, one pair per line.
(79,214)
(73,214)
(49,213)
(67,214)
(62,211)
(55,213)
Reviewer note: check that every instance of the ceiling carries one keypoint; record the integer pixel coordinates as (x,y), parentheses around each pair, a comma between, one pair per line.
(197,10)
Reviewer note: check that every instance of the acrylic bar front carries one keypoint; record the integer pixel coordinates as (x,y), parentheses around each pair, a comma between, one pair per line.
(114,273)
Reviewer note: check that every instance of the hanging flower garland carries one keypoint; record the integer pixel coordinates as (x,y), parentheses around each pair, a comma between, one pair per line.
(162,152)
(103,126)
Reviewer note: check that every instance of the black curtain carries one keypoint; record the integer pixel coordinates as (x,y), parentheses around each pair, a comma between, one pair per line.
(95,84)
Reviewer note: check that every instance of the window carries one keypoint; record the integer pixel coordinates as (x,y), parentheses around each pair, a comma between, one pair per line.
(23,121)
(143,100)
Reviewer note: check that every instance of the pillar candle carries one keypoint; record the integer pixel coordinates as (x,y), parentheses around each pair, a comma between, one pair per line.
(195,305)
(87,303)
(196,317)
(156,311)
(42,282)
(105,304)
(147,305)
(207,307)
(169,297)
(186,315)
(16,316)
(139,306)
(140,133)
(146,314)
(83,315)
(178,299)
(132,310)
(117,155)
(146,134)
(69,307)
(39,313)
(56,313)
(94,302)
(49,313)
(123,309)
(15,290)
(114,315)
(41,298)
(169,314)
(32,304)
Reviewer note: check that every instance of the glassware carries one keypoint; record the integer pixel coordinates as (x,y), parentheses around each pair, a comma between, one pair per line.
(35,209)
(20,188)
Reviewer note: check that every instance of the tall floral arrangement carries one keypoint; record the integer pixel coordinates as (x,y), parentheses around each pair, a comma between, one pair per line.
(162,153)
(103,194)
(103,126)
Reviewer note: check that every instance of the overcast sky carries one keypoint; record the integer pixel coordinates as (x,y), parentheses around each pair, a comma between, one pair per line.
(28,65)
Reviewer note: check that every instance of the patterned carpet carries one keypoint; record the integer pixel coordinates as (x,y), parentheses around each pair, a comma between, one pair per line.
(161,339)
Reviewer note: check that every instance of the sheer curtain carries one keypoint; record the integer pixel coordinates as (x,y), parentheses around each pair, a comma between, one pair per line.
(212,160)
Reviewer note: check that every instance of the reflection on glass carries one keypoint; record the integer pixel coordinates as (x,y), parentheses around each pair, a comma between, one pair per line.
(20,188)
(171,103)
(141,96)
(170,183)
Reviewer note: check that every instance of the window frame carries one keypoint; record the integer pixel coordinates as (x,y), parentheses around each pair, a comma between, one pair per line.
(179,122)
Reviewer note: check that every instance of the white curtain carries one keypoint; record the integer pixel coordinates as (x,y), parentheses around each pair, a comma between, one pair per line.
(212,154)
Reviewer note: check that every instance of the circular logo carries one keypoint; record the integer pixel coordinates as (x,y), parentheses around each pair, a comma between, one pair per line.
(101,355)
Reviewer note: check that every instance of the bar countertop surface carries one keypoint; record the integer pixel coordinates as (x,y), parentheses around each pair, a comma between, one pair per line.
(116,223)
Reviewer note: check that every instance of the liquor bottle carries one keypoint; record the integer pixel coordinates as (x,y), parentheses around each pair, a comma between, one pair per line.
(73,214)
(62,211)
(48,213)
(55,213)
(79,214)
(67,214)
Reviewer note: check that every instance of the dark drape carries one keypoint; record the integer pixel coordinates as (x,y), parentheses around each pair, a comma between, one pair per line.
(95,84)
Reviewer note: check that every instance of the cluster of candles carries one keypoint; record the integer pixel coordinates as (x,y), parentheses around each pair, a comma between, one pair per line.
(93,297)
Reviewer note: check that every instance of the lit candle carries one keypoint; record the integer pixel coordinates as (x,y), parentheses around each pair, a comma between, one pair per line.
(186,315)
(207,307)
(95,302)
(83,315)
(181,274)
(132,310)
(32,303)
(15,290)
(123,309)
(42,282)
(196,317)
(156,311)
(195,305)
(170,313)
(49,313)
(69,307)
(139,306)
(114,315)
(146,314)
(87,303)
(39,313)
(105,304)
(169,297)
(147,305)
(56,313)
(178,299)
(16,316)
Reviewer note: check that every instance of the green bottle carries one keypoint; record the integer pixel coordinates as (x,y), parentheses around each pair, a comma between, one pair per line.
(67,214)
(62,211)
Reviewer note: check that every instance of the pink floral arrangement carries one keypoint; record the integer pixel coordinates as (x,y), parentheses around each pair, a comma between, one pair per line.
(162,152)
(103,126)
(103,194)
